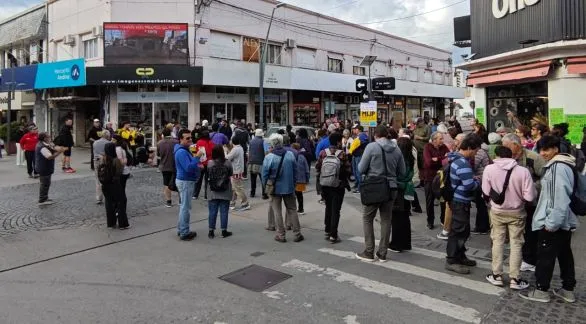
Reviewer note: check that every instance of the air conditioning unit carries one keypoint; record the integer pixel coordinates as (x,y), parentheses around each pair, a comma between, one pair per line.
(348,99)
(391,62)
(98,31)
(429,64)
(69,40)
(290,43)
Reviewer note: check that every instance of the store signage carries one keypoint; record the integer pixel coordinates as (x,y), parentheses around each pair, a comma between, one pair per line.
(162,96)
(368,113)
(61,74)
(18,78)
(501,8)
(383,84)
(156,74)
(361,85)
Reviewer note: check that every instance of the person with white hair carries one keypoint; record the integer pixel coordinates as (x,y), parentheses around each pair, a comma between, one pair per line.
(98,149)
(279,174)
(448,140)
(256,156)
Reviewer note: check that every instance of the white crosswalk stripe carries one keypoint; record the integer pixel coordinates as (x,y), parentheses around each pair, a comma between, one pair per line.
(454,311)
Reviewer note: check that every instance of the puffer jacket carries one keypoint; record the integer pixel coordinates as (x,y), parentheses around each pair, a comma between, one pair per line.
(285,180)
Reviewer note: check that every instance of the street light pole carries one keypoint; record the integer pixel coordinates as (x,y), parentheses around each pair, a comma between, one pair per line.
(262,69)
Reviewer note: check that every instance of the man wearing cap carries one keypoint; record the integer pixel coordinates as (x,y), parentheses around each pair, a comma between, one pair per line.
(94,134)
(28,143)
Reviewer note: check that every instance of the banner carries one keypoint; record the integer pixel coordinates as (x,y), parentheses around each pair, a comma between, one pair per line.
(577,124)
(145,74)
(368,117)
(556,116)
(61,74)
(140,43)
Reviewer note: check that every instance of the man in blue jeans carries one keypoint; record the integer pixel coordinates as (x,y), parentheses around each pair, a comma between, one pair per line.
(187,173)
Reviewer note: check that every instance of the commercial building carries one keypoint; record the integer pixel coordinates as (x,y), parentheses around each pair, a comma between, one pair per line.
(187,61)
(528,57)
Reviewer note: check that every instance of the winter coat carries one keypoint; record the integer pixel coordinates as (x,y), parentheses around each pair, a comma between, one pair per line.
(29,141)
(521,186)
(285,181)
(302,169)
(371,164)
(186,165)
(462,178)
(431,167)
(481,160)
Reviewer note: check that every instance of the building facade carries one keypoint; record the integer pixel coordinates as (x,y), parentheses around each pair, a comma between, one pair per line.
(528,58)
(176,61)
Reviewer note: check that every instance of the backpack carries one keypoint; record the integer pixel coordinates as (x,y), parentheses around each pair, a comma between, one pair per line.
(219,177)
(105,173)
(330,169)
(441,186)
(577,200)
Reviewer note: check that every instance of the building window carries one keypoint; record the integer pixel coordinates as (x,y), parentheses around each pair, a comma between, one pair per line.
(359,70)
(334,65)
(273,54)
(90,48)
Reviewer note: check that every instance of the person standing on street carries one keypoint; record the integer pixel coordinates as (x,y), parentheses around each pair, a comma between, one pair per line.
(373,165)
(98,149)
(187,168)
(421,136)
(45,155)
(464,186)
(65,139)
(123,155)
(236,157)
(165,149)
(256,158)
(433,155)
(93,135)
(481,161)
(302,179)
(241,133)
(554,222)
(28,143)
(356,150)
(203,143)
(279,168)
(109,173)
(219,174)
(334,169)
(400,222)
(507,216)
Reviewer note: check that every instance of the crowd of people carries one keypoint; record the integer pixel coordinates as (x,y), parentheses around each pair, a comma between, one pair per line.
(523,183)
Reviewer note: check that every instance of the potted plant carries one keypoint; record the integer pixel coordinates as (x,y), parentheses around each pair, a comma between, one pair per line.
(14,135)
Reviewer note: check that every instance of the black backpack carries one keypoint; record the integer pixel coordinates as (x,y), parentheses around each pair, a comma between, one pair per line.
(106,173)
(441,185)
(219,177)
(577,203)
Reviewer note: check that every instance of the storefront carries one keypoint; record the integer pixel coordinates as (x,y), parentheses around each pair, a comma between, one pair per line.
(229,103)
(307,108)
(148,97)
(276,107)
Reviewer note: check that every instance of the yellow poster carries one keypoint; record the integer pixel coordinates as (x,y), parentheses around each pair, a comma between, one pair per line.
(368,115)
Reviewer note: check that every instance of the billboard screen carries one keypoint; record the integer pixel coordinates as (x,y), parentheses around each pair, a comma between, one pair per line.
(145,43)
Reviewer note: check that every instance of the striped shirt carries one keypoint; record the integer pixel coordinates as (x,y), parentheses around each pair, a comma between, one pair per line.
(462,178)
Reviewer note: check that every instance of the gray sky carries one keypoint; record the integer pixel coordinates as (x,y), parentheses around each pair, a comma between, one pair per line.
(434,28)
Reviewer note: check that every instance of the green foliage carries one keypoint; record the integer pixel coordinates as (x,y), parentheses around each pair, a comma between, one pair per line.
(14,127)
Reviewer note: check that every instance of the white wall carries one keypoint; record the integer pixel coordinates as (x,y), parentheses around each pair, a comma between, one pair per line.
(567,91)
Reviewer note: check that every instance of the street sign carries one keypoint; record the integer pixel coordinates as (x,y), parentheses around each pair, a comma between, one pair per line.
(383,84)
(361,85)
(368,114)
(365,96)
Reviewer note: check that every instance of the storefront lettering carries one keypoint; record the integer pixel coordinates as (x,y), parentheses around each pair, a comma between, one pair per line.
(501,8)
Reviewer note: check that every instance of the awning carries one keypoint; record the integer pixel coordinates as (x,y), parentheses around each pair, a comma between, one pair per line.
(517,72)
(577,65)
(30,25)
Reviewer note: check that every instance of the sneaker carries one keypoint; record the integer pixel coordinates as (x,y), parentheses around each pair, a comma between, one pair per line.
(566,295)
(334,240)
(252,195)
(188,237)
(225,233)
(168,204)
(443,235)
(535,295)
(301,212)
(232,206)
(381,258)
(365,256)
(99,202)
(355,191)
(467,262)
(496,280)
(430,226)
(125,227)
(519,284)
(70,170)
(211,234)
(457,268)
(395,250)
(46,202)
(265,197)
(281,239)
(477,232)
(321,201)
(272,229)
(194,198)
(299,238)
(30,176)
(527,267)
(243,207)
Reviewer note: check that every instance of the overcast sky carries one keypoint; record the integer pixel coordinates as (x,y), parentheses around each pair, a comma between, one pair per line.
(434,28)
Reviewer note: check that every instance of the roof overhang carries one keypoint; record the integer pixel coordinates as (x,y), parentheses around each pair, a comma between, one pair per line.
(518,72)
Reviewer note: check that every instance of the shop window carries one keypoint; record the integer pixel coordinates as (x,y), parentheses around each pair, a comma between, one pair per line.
(273,53)
(334,65)
(90,48)
(224,45)
(359,70)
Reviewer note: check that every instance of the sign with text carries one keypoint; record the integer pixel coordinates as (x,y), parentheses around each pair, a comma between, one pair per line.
(577,124)
(556,116)
(368,113)
(480,114)
(143,43)
(61,74)
(383,84)
(145,74)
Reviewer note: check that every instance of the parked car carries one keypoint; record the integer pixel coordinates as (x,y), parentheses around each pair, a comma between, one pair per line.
(273,130)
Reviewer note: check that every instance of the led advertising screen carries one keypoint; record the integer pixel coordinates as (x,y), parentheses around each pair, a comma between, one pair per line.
(145,43)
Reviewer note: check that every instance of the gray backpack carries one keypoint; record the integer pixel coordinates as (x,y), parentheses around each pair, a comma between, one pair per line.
(330,169)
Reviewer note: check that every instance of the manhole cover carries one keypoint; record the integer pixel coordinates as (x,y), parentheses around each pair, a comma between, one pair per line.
(255,278)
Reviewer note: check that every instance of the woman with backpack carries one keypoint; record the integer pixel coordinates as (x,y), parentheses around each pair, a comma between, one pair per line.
(110,174)
(218,175)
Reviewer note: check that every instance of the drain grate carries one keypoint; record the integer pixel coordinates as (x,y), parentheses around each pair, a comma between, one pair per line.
(255,278)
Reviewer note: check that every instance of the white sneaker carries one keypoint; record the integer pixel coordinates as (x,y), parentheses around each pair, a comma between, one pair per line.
(496,280)
(527,267)
(518,284)
(443,235)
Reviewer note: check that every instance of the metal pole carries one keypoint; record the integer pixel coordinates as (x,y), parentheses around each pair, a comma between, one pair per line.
(369,85)
(262,70)
(9,107)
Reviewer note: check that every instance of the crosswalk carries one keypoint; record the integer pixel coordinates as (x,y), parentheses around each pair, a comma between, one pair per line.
(458,298)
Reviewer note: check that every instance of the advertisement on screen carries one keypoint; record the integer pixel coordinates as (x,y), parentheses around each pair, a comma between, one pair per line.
(145,43)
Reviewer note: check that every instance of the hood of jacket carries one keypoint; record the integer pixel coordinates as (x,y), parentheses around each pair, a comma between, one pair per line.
(562,157)
(505,164)
(279,150)
(388,145)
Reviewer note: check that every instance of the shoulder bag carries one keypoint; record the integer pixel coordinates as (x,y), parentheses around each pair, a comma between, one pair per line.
(376,190)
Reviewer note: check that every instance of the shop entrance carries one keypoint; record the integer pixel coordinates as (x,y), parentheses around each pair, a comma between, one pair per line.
(524,100)
(216,112)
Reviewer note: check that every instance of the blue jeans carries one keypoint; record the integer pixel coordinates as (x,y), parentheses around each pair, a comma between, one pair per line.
(355,161)
(186,189)
(213,207)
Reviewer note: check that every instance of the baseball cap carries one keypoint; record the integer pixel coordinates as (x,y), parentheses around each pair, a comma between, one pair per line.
(96,120)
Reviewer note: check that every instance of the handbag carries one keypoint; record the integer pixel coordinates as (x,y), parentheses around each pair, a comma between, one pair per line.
(499,198)
(376,190)
(270,185)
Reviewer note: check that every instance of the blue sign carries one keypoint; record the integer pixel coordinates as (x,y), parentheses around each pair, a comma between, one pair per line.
(61,74)
(18,78)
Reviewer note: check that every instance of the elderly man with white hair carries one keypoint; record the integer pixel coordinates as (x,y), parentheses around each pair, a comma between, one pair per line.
(278,176)
(98,148)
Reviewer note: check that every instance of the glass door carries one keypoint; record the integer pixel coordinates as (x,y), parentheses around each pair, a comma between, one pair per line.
(170,112)
(136,113)
(219,112)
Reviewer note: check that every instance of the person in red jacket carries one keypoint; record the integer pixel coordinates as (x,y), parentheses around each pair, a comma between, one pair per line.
(433,154)
(28,142)
(204,142)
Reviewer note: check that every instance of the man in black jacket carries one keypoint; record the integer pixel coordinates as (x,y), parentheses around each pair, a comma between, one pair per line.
(243,138)
(65,139)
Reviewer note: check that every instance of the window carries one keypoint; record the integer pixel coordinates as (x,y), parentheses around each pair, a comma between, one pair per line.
(225,46)
(334,65)
(359,70)
(250,50)
(90,48)
(273,54)
(305,58)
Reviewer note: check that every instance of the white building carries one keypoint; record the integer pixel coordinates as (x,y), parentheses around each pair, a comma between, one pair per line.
(147,71)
